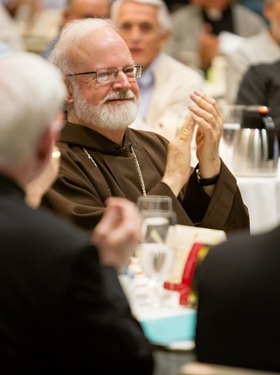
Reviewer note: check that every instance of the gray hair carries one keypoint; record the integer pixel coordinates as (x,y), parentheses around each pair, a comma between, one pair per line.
(72,35)
(163,12)
(31,93)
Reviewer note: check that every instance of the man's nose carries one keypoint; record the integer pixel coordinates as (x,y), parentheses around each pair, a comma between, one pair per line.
(122,79)
(132,34)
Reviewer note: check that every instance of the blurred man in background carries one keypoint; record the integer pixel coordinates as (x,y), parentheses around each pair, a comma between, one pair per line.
(264,47)
(10,36)
(166,84)
(76,9)
(260,85)
(197,29)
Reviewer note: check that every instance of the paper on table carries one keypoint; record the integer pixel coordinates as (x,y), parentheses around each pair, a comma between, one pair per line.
(182,238)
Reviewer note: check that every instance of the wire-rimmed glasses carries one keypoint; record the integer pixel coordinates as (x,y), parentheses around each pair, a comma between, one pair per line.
(106,75)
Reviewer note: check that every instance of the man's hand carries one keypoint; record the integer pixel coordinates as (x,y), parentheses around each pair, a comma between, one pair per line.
(209,118)
(206,113)
(177,171)
(118,232)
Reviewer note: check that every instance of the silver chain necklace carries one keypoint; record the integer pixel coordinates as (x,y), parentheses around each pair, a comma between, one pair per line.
(140,175)
(142,182)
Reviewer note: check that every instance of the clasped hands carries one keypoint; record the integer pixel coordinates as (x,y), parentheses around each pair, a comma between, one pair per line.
(205,112)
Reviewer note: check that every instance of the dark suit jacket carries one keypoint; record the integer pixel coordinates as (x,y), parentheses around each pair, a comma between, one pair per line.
(260,85)
(239,303)
(56,316)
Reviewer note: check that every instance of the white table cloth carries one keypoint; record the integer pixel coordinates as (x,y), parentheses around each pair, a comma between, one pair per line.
(262,197)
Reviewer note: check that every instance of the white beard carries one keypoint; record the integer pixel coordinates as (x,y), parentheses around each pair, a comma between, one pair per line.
(107,115)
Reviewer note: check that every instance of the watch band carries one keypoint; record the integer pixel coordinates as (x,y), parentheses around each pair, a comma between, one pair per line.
(206,181)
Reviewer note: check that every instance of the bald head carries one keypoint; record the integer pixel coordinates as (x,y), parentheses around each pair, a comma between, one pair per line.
(83,41)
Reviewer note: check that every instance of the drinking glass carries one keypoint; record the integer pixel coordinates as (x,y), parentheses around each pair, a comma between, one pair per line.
(232,119)
(155,255)
(154,203)
(156,206)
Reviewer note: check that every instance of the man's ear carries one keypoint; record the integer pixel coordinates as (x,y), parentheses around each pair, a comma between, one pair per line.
(165,35)
(46,144)
(69,86)
(49,137)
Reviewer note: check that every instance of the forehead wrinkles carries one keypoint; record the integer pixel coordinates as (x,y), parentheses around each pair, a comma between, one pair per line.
(89,46)
(78,57)
(104,48)
(138,12)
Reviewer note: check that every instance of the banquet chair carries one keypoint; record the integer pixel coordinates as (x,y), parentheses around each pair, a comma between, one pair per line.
(197,368)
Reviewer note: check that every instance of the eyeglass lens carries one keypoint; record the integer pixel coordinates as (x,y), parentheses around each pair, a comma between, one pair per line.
(107,75)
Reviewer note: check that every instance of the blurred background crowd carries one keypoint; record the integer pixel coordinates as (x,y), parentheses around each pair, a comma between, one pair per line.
(218,46)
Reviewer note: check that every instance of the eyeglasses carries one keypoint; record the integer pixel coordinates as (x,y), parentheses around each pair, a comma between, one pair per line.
(106,75)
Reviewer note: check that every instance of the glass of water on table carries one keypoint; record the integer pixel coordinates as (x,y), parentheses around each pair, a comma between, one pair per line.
(154,253)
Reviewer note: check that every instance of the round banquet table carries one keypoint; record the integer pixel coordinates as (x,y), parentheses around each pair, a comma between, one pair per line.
(262,197)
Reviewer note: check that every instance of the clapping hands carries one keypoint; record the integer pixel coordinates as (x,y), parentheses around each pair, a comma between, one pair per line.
(206,113)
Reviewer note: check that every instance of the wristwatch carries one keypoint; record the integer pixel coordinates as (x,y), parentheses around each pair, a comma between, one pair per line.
(206,181)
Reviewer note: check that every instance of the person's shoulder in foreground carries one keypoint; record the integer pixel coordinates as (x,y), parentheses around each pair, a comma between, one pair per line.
(238,310)
(63,307)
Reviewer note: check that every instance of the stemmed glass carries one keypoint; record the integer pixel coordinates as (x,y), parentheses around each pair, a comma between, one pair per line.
(156,256)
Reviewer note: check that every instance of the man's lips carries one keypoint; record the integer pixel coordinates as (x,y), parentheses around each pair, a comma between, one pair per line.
(119,100)
(136,50)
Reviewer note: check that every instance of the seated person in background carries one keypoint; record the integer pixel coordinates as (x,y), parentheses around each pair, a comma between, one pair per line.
(9,31)
(102,157)
(12,6)
(261,48)
(261,86)
(255,5)
(197,26)
(76,9)
(173,5)
(165,84)
(239,303)
(63,309)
